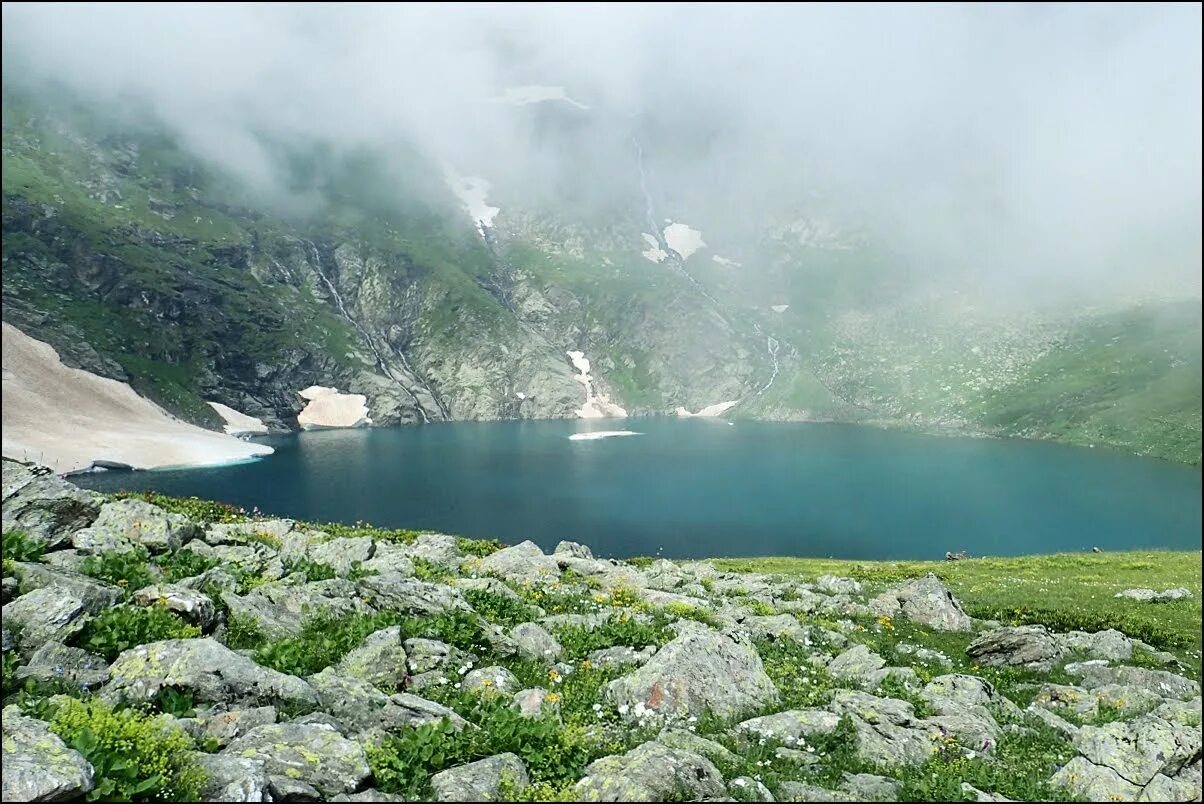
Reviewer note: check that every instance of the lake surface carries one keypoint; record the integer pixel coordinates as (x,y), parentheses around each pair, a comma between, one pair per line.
(699,488)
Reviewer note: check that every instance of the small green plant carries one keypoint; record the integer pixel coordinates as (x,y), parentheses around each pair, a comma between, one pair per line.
(184,564)
(128,570)
(478,547)
(429,571)
(761,608)
(20,546)
(203,511)
(622,629)
(124,627)
(135,756)
(498,608)
(312,570)
(176,703)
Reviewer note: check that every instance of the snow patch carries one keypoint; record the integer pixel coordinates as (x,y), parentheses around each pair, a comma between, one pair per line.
(718,409)
(596,406)
(536,93)
(779,308)
(682,239)
(520,394)
(69,419)
(328,407)
(654,251)
(725,262)
(471,190)
(601,434)
(238,423)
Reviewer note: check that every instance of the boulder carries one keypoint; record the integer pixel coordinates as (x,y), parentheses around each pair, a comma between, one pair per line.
(868,787)
(573,549)
(54,661)
(1110,644)
(535,702)
(482,780)
(492,680)
(50,614)
(926,601)
(192,605)
(871,708)
(38,766)
(423,655)
(651,772)
(1090,782)
(697,672)
(229,778)
(223,727)
(380,660)
(620,655)
(410,596)
(208,670)
(790,727)
(835,585)
(1029,646)
(748,789)
(363,708)
(43,506)
(856,662)
(689,741)
(800,791)
(1168,685)
(1140,749)
(522,563)
(96,596)
(123,524)
(534,642)
(312,753)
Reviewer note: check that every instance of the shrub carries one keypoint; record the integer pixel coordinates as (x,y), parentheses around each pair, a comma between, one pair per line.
(129,570)
(429,571)
(136,757)
(124,627)
(184,564)
(497,608)
(312,570)
(20,546)
(323,641)
(619,630)
(242,632)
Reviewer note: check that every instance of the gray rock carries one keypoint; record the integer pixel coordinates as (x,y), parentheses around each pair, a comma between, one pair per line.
(279,609)
(208,670)
(122,524)
(371,794)
(410,595)
(926,601)
(492,585)
(390,559)
(284,789)
(1064,698)
(621,655)
(342,554)
(380,660)
(482,780)
(423,655)
(1058,724)
(251,558)
(698,672)
(1127,699)
(871,708)
(781,626)
(226,726)
(978,795)
(194,606)
(229,778)
(492,680)
(69,559)
(38,766)
(573,549)
(794,756)
(534,642)
(790,727)
(534,703)
(1168,685)
(262,531)
(835,585)
(44,615)
(1164,788)
(95,595)
(689,741)
(1090,782)
(923,655)
(56,661)
(363,708)
(651,772)
(522,563)
(1150,596)
(1185,713)
(1110,644)
(43,506)
(869,787)
(1139,749)
(889,745)
(315,754)
(749,789)
(437,548)
(955,693)
(1029,646)
(855,662)
(798,791)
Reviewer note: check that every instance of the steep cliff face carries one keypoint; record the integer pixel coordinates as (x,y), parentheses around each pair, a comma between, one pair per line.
(437,302)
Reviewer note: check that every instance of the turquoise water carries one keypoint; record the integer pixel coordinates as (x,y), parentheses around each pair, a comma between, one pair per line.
(696,488)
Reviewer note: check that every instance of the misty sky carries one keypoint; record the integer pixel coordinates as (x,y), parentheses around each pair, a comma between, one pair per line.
(1022,139)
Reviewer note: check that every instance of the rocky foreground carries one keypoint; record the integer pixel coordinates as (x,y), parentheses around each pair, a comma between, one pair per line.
(187,652)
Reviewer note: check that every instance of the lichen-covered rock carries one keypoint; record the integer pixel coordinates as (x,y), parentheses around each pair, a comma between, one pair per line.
(55,661)
(342,554)
(95,595)
(926,601)
(1067,698)
(532,641)
(279,609)
(573,549)
(50,614)
(1165,788)
(312,753)
(369,795)
(1058,724)
(1090,782)
(1029,646)
(43,506)
(890,745)
(868,787)
(620,655)
(261,531)
(791,726)
(223,727)
(231,778)
(689,741)
(1110,644)
(437,548)
(380,659)
(424,655)
(122,524)
(208,670)
(1184,713)
(781,626)
(978,795)
(1139,749)
(871,708)
(491,680)
(285,788)
(856,662)
(363,708)
(799,791)
(482,780)
(192,605)
(835,585)
(1168,685)
(522,563)
(697,672)
(410,595)
(651,772)
(535,702)
(955,693)
(38,766)
(748,789)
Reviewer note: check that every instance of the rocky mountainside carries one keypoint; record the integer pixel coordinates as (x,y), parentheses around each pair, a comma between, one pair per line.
(383,277)
(188,651)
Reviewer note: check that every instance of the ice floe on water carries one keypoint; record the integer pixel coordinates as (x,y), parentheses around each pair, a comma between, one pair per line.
(718,409)
(238,423)
(328,407)
(602,434)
